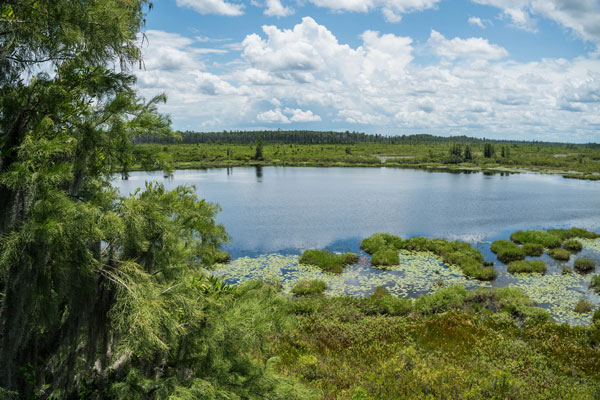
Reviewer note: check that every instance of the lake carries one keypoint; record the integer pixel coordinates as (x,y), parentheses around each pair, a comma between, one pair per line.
(273,213)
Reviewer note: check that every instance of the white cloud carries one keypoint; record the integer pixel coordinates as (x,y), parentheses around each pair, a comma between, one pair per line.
(477,22)
(276,9)
(304,74)
(474,48)
(220,7)
(297,115)
(273,116)
(391,9)
(581,16)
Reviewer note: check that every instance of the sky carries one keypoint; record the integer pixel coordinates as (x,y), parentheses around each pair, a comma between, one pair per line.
(503,69)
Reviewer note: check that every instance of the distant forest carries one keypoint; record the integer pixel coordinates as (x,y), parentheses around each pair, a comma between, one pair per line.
(317,137)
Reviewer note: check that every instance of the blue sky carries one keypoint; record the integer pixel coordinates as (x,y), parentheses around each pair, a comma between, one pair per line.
(515,69)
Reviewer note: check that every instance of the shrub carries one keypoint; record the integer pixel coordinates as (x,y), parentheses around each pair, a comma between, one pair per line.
(584,265)
(533,249)
(583,306)
(378,241)
(328,261)
(573,233)
(309,288)
(441,301)
(595,283)
(540,237)
(385,256)
(559,254)
(574,246)
(526,266)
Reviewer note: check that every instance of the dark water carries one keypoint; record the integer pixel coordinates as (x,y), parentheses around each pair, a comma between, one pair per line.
(287,209)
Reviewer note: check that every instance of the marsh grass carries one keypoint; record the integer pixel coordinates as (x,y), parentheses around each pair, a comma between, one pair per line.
(574,232)
(527,266)
(309,288)
(328,261)
(533,249)
(507,251)
(584,265)
(595,283)
(380,241)
(560,254)
(574,246)
(535,236)
(385,257)
(583,306)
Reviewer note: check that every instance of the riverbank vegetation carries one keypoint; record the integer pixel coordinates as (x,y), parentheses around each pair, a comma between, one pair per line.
(303,148)
(328,261)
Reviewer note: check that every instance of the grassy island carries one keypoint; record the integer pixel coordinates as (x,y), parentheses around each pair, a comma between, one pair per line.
(328,261)
(526,266)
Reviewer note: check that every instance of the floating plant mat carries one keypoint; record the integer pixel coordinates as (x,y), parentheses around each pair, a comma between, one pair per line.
(417,273)
(590,244)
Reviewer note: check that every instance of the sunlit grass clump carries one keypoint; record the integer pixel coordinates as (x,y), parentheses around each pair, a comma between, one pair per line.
(574,246)
(328,261)
(385,257)
(309,288)
(380,241)
(584,265)
(534,236)
(574,232)
(507,251)
(559,254)
(533,249)
(527,266)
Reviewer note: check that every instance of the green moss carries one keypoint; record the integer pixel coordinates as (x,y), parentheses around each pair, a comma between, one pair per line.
(533,249)
(584,265)
(583,306)
(595,283)
(527,266)
(328,261)
(379,241)
(534,236)
(385,256)
(309,288)
(564,234)
(574,246)
(559,254)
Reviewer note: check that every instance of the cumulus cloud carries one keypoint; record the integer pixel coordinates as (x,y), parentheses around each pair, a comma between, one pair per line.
(581,16)
(475,48)
(391,9)
(477,22)
(220,7)
(276,9)
(304,74)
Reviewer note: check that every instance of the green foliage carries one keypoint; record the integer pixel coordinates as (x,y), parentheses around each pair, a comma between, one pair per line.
(533,249)
(507,251)
(385,257)
(595,283)
(532,236)
(377,241)
(583,306)
(560,254)
(527,266)
(584,265)
(488,150)
(574,246)
(573,233)
(443,300)
(327,261)
(309,288)
(258,152)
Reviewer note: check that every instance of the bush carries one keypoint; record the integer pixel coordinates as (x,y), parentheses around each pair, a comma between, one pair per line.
(584,265)
(327,261)
(309,288)
(533,249)
(595,283)
(583,306)
(524,266)
(559,254)
(574,246)
(378,241)
(441,301)
(540,237)
(385,256)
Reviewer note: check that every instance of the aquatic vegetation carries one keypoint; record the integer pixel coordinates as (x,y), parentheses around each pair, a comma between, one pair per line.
(584,265)
(574,232)
(533,249)
(507,251)
(327,261)
(385,257)
(379,241)
(500,245)
(583,306)
(535,236)
(574,246)
(559,254)
(309,288)
(567,270)
(591,244)
(595,283)
(442,300)
(527,266)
